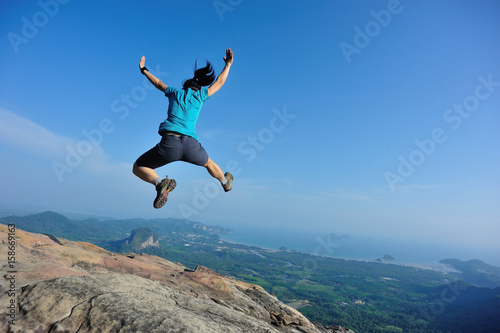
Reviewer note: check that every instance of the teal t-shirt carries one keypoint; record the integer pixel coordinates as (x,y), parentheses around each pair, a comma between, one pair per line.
(184,107)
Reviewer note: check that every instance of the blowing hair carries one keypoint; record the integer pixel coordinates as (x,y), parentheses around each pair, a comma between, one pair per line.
(204,76)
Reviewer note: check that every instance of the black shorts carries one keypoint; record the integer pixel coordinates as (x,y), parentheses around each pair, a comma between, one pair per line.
(174,148)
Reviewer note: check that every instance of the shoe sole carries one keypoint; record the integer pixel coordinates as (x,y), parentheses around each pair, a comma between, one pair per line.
(161,198)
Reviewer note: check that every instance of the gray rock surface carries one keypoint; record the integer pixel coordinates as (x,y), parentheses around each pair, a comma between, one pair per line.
(64,286)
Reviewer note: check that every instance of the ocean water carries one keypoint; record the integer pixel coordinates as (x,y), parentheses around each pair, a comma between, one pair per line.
(360,247)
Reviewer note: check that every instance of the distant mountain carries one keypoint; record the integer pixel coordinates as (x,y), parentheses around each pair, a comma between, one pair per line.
(4,212)
(183,225)
(476,272)
(100,231)
(164,227)
(139,239)
(47,223)
(17,212)
(116,235)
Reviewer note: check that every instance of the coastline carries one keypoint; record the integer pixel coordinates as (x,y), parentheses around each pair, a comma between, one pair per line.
(438,267)
(417,254)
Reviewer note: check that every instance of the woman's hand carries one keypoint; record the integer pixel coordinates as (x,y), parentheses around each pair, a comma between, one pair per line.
(153,79)
(228,59)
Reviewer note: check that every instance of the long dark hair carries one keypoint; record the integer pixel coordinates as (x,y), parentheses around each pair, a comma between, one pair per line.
(202,77)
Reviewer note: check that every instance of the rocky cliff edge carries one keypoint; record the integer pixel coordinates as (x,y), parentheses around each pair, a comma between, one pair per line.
(64,286)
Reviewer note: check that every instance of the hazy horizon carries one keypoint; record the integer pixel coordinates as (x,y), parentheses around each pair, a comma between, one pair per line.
(422,251)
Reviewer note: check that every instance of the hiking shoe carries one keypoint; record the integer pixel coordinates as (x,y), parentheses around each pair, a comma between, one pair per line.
(162,190)
(229,178)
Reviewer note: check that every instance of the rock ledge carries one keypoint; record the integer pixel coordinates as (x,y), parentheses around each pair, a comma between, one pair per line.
(64,286)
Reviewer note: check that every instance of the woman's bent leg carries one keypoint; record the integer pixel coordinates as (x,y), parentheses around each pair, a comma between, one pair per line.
(145,173)
(214,170)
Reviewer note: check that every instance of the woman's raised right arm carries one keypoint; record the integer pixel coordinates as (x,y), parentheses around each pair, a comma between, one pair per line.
(153,79)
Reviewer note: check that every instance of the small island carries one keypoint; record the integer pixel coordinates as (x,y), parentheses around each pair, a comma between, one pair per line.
(388,257)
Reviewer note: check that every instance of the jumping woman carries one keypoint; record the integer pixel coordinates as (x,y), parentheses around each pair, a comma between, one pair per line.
(179,141)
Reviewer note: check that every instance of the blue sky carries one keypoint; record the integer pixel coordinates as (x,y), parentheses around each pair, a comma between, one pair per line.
(375,117)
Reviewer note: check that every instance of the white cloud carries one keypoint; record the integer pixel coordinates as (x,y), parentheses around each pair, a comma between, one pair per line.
(23,134)
(67,154)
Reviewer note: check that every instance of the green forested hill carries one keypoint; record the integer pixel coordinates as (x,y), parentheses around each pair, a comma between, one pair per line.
(475,272)
(48,223)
